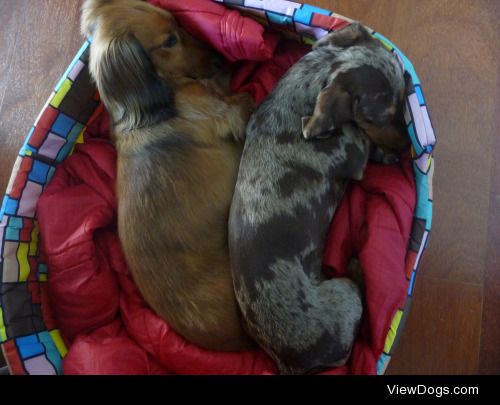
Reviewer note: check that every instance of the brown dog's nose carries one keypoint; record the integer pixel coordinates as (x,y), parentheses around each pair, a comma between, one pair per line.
(218,60)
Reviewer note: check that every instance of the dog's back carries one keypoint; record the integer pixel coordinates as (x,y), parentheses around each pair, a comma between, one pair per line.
(286,194)
(283,204)
(177,134)
(174,233)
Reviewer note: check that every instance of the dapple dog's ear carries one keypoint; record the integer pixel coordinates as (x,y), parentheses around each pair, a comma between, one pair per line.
(128,83)
(344,37)
(333,108)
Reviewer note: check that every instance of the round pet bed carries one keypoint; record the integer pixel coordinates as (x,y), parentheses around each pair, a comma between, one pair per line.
(29,336)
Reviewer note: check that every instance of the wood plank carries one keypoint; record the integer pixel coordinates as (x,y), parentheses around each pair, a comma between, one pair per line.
(38,40)
(489,358)
(443,330)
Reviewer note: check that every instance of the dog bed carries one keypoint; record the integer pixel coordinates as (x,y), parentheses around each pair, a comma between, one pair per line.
(39,320)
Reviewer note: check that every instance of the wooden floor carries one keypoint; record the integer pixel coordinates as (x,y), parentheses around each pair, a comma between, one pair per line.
(454,324)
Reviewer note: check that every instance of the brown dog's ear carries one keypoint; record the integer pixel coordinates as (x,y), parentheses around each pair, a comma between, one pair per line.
(344,37)
(128,83)
(333,108)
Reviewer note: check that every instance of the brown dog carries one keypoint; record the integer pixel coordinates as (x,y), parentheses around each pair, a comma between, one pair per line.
(178,139)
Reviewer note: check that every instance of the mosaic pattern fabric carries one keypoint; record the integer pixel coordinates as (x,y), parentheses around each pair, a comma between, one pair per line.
(30,340)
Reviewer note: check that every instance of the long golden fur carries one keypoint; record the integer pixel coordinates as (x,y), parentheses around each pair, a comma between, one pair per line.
(179,140)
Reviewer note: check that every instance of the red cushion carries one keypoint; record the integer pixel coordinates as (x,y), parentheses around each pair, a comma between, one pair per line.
(74,214)
(109,350)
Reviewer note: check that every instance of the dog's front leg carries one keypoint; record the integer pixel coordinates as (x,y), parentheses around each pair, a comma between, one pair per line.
(220,84)
(229,113)
(383,156)
(240,106)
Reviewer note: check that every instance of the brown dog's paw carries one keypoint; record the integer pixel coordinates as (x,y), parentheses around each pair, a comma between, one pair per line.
(242,106)
(220,84)
(246,103)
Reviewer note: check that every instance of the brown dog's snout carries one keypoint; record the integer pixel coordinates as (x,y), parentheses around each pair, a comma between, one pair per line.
(201,60)
(215,63)
(209,66)
(218,60)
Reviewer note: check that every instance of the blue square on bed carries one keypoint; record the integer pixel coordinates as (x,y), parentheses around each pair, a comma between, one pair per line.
(420,95)
(304,14)
(278,18)
(63,125)
(9,206)
(39,172)
(29,346)
(12,232)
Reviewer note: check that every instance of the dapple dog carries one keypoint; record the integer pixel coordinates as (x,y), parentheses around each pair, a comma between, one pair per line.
(288,189)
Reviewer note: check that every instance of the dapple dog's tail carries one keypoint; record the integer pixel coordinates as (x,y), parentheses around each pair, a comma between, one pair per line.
(304,325)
